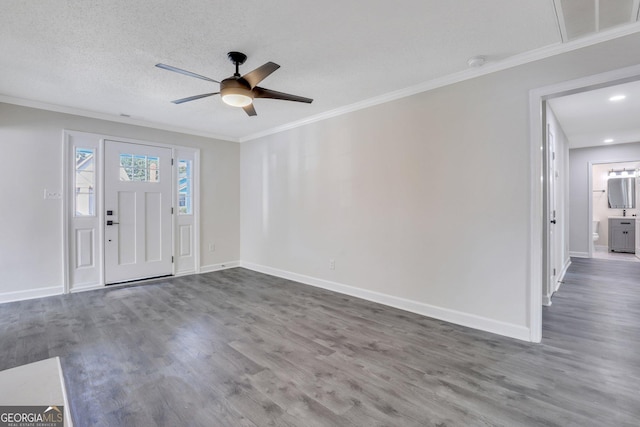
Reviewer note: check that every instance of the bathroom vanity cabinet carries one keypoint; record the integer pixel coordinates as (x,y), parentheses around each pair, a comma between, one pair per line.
(622,235)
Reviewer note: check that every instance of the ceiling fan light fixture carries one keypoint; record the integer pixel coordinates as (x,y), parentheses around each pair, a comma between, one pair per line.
(237,99)
(235,93)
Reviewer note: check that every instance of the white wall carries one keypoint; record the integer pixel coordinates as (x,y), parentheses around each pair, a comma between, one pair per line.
(579,165)
(422,202)
(31,142)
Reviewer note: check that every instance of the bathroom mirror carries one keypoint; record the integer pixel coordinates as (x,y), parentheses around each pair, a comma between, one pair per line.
(622,193)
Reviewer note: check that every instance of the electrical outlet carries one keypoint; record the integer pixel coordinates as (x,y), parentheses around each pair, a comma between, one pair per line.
(332,264)
(212,247)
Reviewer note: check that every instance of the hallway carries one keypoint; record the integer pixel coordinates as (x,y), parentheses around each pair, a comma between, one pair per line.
(594,323)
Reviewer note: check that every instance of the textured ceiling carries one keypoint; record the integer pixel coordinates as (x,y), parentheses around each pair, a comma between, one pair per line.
(99,56)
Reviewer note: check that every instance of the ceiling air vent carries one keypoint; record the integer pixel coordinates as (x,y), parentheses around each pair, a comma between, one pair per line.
(578,18)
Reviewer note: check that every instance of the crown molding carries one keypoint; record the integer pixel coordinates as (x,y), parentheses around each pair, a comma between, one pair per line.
(513,61)
(110,117)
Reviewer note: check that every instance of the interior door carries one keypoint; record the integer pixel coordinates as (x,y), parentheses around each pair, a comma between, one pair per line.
(551,153)
(138,212)
(637,214)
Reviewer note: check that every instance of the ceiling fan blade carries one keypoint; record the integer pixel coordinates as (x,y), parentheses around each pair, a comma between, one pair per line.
(185,72)
(260,92)
(250,110)
(259,74)
(193,98)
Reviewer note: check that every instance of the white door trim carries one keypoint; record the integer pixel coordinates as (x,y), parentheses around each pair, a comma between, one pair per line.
(590,207)
(66,217)
(590,165)
(68,201)
(92,141)
(537,226)
(187,265)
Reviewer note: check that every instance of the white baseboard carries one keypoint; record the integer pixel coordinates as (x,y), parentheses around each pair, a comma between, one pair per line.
(86,287)
(567,263)
(31,294)
(58,290)
(184,273)
(448,315)
(579,254)
(546,299)
(216,267)
(47,292)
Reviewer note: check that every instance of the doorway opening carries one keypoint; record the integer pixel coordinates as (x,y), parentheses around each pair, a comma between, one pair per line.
(542,217)
(613,210)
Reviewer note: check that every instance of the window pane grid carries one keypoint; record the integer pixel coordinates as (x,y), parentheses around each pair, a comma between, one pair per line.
(185,187)
(84,182)
(139,168)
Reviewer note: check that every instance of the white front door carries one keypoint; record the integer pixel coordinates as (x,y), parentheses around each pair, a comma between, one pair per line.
(138,213)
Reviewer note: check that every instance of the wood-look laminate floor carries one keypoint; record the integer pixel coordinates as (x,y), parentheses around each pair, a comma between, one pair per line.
(239,348)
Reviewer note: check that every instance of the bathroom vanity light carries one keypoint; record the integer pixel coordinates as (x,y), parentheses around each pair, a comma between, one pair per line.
(623,172)
(617,98)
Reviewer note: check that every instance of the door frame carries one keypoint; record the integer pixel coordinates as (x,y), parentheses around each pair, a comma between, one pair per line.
(591,164)
(98,140)
(539,229)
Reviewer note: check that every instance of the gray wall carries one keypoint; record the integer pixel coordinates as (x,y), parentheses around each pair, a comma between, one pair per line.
(579,159)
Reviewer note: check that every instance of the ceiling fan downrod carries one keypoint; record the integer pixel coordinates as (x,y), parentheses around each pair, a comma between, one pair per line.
(238,59)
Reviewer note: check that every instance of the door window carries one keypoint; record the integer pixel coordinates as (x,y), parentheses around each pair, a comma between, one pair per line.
(140,168)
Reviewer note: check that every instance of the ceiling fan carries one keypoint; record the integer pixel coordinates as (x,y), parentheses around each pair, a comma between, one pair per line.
(237,90)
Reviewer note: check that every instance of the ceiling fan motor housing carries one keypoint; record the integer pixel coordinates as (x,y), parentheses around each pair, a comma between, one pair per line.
(236,92)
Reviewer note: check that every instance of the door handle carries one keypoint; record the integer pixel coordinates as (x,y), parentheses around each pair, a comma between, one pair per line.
(112,223)
(553,221)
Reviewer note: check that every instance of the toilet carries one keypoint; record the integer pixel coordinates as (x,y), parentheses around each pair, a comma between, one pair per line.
(596,225)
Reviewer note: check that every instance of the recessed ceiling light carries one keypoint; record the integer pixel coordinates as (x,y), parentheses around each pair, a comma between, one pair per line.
(617,98)
(608,140)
